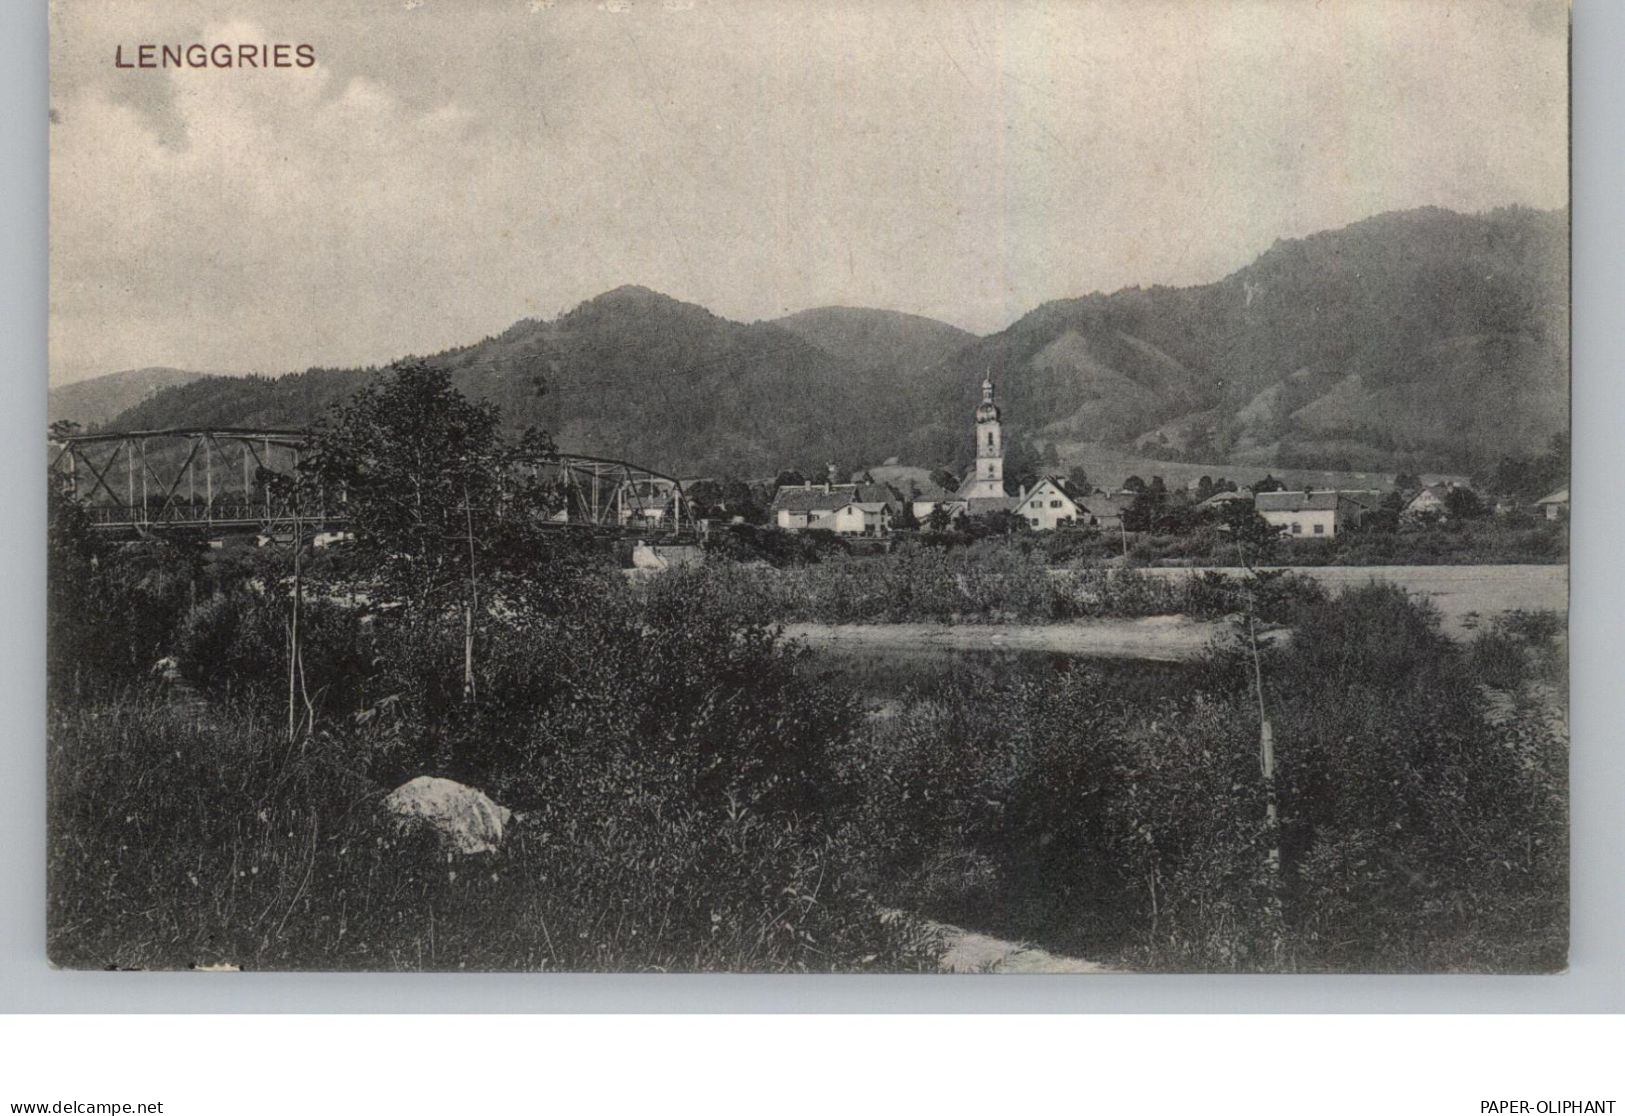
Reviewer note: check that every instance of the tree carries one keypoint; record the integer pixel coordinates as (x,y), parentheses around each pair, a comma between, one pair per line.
(1255,539)
(1078,478)
(1407,482)
(1268,484)
(1463,503)
(1139,515)
(741,500)
(1021,464)
(705,497)
(788,478)
(939,519)
(430,484)
(1134,484)
(945,479)
(1001,522)
(906,519)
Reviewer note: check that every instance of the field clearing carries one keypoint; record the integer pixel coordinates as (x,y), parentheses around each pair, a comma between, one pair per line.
(1111,465)
(1466,596)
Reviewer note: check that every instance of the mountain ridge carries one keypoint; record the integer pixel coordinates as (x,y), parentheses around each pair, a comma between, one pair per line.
(1422,339)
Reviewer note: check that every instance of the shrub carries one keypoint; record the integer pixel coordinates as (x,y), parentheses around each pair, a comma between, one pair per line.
(1416,831)
(178,841)
(237,642)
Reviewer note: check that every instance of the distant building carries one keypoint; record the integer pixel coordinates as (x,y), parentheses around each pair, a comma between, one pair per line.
(645,503)
(1219,500)
(797,507)
(982,490)
(1367,500)
(986,480)
(1555,506)
(1106,509)
(1428,502)
(1052,503)
(928,500)
(1308,514)
(866,518)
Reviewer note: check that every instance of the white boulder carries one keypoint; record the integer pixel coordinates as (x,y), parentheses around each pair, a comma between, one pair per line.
(465,819)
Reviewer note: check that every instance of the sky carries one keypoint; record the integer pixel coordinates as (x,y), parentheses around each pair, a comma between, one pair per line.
(445,169)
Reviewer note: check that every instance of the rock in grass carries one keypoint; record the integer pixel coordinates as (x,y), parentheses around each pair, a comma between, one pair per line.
(464,819)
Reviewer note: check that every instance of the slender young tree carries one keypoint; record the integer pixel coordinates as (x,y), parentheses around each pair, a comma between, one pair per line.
(429,484)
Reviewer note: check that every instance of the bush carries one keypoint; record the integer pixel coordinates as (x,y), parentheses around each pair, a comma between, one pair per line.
(237,642)
(179,841)
(1417,831)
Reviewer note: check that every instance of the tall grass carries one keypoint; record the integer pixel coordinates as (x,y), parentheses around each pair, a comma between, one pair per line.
(182,839)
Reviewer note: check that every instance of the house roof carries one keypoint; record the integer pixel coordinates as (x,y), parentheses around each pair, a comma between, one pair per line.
(1561,496)
(1109,505)
(1434,491)
(1297,501)
(1059,484)
(1368,498)
(932,492)
(816,498)
(1220,498)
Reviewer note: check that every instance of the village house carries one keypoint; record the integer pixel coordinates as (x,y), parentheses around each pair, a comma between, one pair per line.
(1555,506)
(1051,503)
(1366,501)
(1308,514)
(1106,509)
(1427,503)
(1219,501)
(867,518)
(925,501)
(797,507)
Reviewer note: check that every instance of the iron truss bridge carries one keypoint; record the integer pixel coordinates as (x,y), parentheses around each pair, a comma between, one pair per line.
(215,480)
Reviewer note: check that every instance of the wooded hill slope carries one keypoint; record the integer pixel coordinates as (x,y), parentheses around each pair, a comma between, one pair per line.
(1425,339)
(93,401)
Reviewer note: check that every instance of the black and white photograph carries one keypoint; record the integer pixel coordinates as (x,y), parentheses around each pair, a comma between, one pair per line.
(809,486)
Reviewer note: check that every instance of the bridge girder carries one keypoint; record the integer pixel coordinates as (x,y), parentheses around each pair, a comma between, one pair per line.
(597,492)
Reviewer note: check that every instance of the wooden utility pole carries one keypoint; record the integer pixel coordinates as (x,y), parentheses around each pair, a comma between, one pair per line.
(469,691)
(294,668)
(1266,767)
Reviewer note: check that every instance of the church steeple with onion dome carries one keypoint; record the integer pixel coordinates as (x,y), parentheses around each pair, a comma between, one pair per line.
(988,480)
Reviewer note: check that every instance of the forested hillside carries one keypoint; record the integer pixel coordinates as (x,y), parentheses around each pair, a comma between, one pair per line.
(94,401)
(1427,340)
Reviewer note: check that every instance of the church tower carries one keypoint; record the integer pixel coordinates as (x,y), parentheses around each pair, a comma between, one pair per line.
(988,480)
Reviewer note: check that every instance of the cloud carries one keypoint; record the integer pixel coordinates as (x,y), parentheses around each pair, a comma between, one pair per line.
(446,170)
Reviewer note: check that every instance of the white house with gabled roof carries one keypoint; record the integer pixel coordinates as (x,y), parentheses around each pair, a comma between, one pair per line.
(856,517)
(1051,503)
